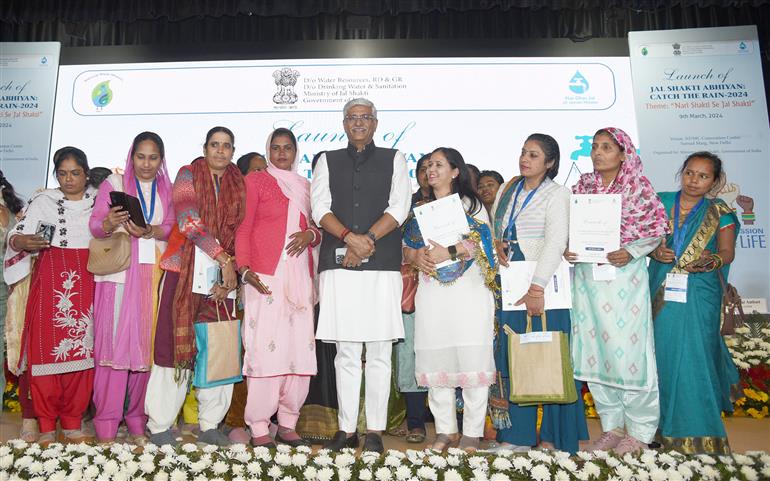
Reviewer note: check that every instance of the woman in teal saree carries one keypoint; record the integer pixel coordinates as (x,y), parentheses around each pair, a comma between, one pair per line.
(695,368)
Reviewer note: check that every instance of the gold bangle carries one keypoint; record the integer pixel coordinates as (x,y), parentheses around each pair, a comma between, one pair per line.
(229,259)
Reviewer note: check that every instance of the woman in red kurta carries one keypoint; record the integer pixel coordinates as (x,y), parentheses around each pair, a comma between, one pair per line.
(58,339)
(276,265)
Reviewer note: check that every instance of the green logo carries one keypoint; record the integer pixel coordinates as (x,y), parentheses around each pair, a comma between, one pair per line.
(101,95)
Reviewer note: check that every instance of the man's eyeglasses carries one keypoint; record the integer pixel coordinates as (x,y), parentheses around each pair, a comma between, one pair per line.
(354,118)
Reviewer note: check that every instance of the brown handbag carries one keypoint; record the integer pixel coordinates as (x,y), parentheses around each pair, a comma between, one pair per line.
(109,255)
(409,279)
(732,309)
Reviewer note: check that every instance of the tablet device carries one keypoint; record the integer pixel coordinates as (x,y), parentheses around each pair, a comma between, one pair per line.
(131,204)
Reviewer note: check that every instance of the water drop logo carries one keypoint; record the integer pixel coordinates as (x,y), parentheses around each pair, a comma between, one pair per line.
(742,46)
(645,51)
(101,95)
(43,60)
(578,84)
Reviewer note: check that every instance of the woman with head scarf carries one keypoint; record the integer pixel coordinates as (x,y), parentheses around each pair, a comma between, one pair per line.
(209,201)
(273,248)
(57,343)
(612,343)
(126,302)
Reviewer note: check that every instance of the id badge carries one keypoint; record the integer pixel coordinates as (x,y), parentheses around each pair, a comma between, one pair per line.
(146,251)
(604,272)
(676,288)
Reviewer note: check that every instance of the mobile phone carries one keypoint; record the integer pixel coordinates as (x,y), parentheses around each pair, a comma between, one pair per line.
(45,230)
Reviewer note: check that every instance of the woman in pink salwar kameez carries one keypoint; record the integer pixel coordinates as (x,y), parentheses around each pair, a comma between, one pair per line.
(126,303)
(273,248)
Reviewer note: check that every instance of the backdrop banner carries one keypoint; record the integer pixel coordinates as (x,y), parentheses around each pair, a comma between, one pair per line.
(28,73)
(484,107)
(702,89)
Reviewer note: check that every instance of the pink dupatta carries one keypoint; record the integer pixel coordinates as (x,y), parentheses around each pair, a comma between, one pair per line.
(297,189)
(643,215)
(131,346)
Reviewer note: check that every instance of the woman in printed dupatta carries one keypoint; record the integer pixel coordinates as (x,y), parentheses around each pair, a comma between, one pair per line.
(273,247)
(454,309)
(531,223)
(209,201)
(612,339)
(126,302)
(695,368)
(57,343)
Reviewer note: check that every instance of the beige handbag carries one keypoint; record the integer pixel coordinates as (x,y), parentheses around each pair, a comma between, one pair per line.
(109,255)
(540,366)
(112,254)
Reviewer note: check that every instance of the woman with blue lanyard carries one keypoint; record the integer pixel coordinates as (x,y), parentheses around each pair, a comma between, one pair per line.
(531,223)
(695,369)
(126,302)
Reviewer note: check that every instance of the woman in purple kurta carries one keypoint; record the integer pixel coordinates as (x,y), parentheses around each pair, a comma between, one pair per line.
(126,302)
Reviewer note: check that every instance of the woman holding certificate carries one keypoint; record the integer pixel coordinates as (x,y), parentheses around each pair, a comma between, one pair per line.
(126,301)
(694,366)
(454,306)
(209,201)
(531,219)
(612,344)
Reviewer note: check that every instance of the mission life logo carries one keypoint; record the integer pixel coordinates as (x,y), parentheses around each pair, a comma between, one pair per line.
(103,90)
(752,234)
(579,89)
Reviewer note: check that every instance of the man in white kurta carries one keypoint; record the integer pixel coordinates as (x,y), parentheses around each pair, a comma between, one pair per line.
(360,196)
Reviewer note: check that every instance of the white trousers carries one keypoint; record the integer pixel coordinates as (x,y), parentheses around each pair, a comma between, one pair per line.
(347,365)
(165,398)
(444,408)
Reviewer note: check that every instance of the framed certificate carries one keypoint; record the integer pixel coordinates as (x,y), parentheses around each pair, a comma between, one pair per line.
(442,221)
(594,226)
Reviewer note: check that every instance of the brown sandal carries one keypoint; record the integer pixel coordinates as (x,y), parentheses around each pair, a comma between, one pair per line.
(444,442)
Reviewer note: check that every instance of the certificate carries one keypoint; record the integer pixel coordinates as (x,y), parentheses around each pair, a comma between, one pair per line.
(205,273)
(442,221)
(517,277)
(594,226)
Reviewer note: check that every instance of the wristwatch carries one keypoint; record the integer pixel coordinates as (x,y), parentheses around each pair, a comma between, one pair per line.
(371,235)
(452,252)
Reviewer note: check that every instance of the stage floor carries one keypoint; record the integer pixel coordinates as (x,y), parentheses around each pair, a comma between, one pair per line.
(745,434)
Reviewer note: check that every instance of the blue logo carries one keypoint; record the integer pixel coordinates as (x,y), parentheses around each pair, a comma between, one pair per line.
(742,46)
(578,83)
(44,60)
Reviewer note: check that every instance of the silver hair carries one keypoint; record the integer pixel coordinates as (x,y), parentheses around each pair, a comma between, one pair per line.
(359,101)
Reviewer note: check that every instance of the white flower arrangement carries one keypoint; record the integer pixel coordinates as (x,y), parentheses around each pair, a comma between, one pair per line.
(57,462)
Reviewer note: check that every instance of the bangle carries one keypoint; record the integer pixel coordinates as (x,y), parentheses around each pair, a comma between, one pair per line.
(344,234)
(542,294)
(243,275)
(149,233)
(12,243)
(108,232)
(229,259)
(718,262)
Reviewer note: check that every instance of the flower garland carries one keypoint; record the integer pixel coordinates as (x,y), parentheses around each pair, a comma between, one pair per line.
(60,462)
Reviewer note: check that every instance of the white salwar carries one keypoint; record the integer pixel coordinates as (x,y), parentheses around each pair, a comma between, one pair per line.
(361,307)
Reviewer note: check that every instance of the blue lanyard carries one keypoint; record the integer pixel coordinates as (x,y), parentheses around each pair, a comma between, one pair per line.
(680,233)
(515,215)
(147,218)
